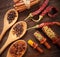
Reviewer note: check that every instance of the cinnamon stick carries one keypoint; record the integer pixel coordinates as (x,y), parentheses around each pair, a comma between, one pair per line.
(15,1)
(21,3)
(22,6)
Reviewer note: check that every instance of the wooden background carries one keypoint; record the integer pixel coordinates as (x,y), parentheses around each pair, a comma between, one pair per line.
(54,51)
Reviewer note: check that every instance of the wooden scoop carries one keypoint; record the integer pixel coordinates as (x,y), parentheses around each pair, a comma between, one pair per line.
(7,25)
(13,35)
(18,49)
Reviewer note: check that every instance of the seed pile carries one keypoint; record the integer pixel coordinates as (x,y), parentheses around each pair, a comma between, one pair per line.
(18,29)
(11,16)
(17,49)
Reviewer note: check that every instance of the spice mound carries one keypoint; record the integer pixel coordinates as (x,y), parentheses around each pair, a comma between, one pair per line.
(11,16)
(18,29)
(18,48)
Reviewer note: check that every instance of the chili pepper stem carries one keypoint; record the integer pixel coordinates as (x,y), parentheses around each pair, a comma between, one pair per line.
(29,16)
(33,27)
(40,17)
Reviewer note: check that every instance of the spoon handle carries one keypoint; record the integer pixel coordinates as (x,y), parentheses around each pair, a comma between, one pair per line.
(2,34)
(4,46)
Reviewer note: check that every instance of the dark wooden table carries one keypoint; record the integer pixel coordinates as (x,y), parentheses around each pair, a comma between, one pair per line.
(54,51)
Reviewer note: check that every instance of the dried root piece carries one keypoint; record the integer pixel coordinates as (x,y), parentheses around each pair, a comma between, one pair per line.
(35,45)
(42,39)
(51,34)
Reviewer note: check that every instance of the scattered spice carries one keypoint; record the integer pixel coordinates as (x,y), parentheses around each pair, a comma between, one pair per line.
(11,16)
(17,49)
(18,29)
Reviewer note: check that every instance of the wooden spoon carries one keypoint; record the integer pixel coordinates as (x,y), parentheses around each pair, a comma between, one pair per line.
(13,36)
(7,25)
(18,49)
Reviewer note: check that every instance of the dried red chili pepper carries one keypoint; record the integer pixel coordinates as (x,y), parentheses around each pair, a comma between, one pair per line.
(43,14)
(47,10)
(44,24)
(39,10)
(53,12)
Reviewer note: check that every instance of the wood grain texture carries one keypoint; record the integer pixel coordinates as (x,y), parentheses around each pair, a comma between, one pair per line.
(54,52)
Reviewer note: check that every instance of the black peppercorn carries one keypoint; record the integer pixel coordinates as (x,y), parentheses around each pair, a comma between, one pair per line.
(18,29)
(11,16)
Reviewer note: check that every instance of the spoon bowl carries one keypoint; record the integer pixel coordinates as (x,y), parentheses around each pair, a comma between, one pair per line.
(13,34)
(12,15)
(18,49)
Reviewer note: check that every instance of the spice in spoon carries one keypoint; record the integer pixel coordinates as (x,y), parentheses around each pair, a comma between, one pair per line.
(18,29)
(18,48)
(11,16)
